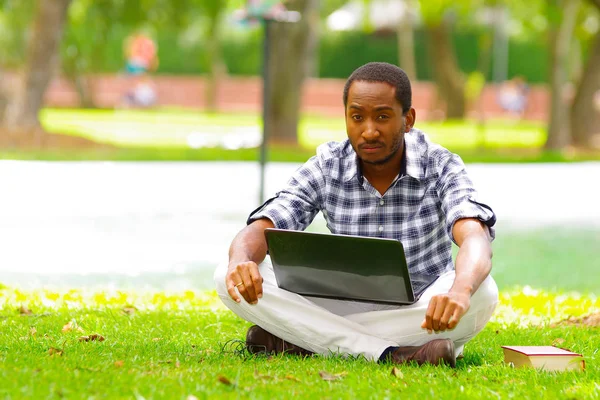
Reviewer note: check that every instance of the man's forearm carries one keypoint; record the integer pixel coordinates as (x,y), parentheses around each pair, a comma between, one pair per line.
(250,243)
(473,264)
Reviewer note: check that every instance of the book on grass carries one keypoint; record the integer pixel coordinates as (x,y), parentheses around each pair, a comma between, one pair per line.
(548,358)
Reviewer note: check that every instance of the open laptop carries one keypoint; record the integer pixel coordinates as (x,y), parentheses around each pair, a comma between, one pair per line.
(344,267)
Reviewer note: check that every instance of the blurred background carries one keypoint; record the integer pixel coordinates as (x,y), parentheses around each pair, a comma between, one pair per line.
(131,130)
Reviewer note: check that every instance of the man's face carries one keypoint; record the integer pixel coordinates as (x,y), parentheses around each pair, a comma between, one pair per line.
(374,121)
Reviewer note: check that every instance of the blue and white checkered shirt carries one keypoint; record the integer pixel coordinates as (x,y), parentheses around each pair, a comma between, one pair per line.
(419,209)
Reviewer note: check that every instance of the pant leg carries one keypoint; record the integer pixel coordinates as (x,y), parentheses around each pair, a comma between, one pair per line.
(298,320)
(402,325)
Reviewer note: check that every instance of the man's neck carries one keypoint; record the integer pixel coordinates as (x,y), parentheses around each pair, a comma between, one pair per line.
(381,176)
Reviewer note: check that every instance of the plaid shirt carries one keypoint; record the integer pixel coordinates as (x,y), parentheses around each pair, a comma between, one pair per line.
(419,209)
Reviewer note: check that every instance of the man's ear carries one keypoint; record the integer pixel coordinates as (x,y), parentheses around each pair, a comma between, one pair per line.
(410,116)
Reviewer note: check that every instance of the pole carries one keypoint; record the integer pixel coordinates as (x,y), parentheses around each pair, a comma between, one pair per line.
(265,106)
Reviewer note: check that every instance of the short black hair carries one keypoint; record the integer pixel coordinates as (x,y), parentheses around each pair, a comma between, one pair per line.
(387,73)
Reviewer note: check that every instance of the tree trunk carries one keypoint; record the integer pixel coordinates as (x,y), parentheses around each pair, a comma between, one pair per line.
(292,48)
(449,80)
(216,66)
(42,61)
(561,37)
(406,46)
(585,112)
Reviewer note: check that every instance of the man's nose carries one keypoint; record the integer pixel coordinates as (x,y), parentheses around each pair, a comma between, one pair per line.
(370,131)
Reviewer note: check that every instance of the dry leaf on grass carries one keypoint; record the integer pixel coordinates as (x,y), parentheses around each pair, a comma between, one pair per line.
(53,351)
(156,339)
(119,363)
(588,320)
(129,310)
(292,378)
(260,376)
(191,397)
(558,341)
(32,331)
(92,337)
(332,377)
(24,311)
(72,326)
(397,373)
(224,380)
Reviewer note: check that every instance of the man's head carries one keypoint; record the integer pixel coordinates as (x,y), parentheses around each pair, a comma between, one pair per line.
(386,73)
(377,100)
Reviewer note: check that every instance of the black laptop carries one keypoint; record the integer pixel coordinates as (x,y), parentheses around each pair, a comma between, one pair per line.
(344,267)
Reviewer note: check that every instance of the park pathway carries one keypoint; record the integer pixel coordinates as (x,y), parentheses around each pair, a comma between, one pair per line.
(166,225)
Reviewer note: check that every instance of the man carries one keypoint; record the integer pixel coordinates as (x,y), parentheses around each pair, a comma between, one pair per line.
(387,180)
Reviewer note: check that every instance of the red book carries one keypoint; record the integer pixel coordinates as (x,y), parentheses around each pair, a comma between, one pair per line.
(548,358)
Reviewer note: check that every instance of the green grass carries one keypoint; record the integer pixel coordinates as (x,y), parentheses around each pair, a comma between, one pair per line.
(163,135)
(173,347)
(170,128)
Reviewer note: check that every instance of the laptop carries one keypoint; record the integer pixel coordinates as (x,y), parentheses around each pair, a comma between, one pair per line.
(344,267)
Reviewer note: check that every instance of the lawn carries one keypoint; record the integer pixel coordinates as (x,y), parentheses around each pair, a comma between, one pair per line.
(180,135)
(175,346)
(172,128)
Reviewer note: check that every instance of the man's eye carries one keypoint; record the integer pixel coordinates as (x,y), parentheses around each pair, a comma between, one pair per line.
(356,117)
(383,117)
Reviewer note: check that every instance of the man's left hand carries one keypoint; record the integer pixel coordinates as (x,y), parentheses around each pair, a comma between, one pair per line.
(445,311)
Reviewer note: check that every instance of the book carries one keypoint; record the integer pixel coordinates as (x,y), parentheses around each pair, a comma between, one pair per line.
(547,358)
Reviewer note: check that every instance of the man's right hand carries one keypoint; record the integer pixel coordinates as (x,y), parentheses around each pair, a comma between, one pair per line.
(244,277)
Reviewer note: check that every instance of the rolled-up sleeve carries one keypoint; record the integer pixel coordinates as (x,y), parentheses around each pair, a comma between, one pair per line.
(296,206)
(459,198)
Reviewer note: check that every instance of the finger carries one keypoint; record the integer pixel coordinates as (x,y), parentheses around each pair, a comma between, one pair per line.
(440,307)
(247,289)
(455,319)
(448,312)
(429,314)
(257,280)
(230,283)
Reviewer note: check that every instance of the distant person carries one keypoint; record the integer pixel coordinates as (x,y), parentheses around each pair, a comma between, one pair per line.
(513,96)
(141,58)
(387,180)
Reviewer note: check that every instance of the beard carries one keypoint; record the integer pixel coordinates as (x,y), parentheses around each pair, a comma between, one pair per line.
(396,145)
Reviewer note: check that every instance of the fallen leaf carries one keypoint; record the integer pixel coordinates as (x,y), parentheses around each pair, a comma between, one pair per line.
(224,380)
(292,378)
(129,310)
(156,339)
(119,363)
(53,351)
(191,397)
(332,377)
(92,337)
(558,341)
(177,364)
(71,326)
(257,375)
(24,311)
(32,331)
(397,373)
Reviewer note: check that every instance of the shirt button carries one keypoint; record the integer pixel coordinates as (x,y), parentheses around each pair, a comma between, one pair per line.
(380,228)
(381,202)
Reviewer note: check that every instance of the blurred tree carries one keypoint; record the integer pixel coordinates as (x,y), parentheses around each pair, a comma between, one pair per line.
(438,18)
(562,15)
(213,12)
(15,18)
(292,47)
(405,32)
(21,116)
(585,112)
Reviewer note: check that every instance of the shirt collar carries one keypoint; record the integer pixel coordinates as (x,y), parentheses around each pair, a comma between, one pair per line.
(412,156)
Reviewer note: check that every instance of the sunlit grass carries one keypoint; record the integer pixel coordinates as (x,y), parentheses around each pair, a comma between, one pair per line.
(171,128)
(174,345)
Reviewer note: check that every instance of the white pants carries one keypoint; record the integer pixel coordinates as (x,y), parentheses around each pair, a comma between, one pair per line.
(328,326)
